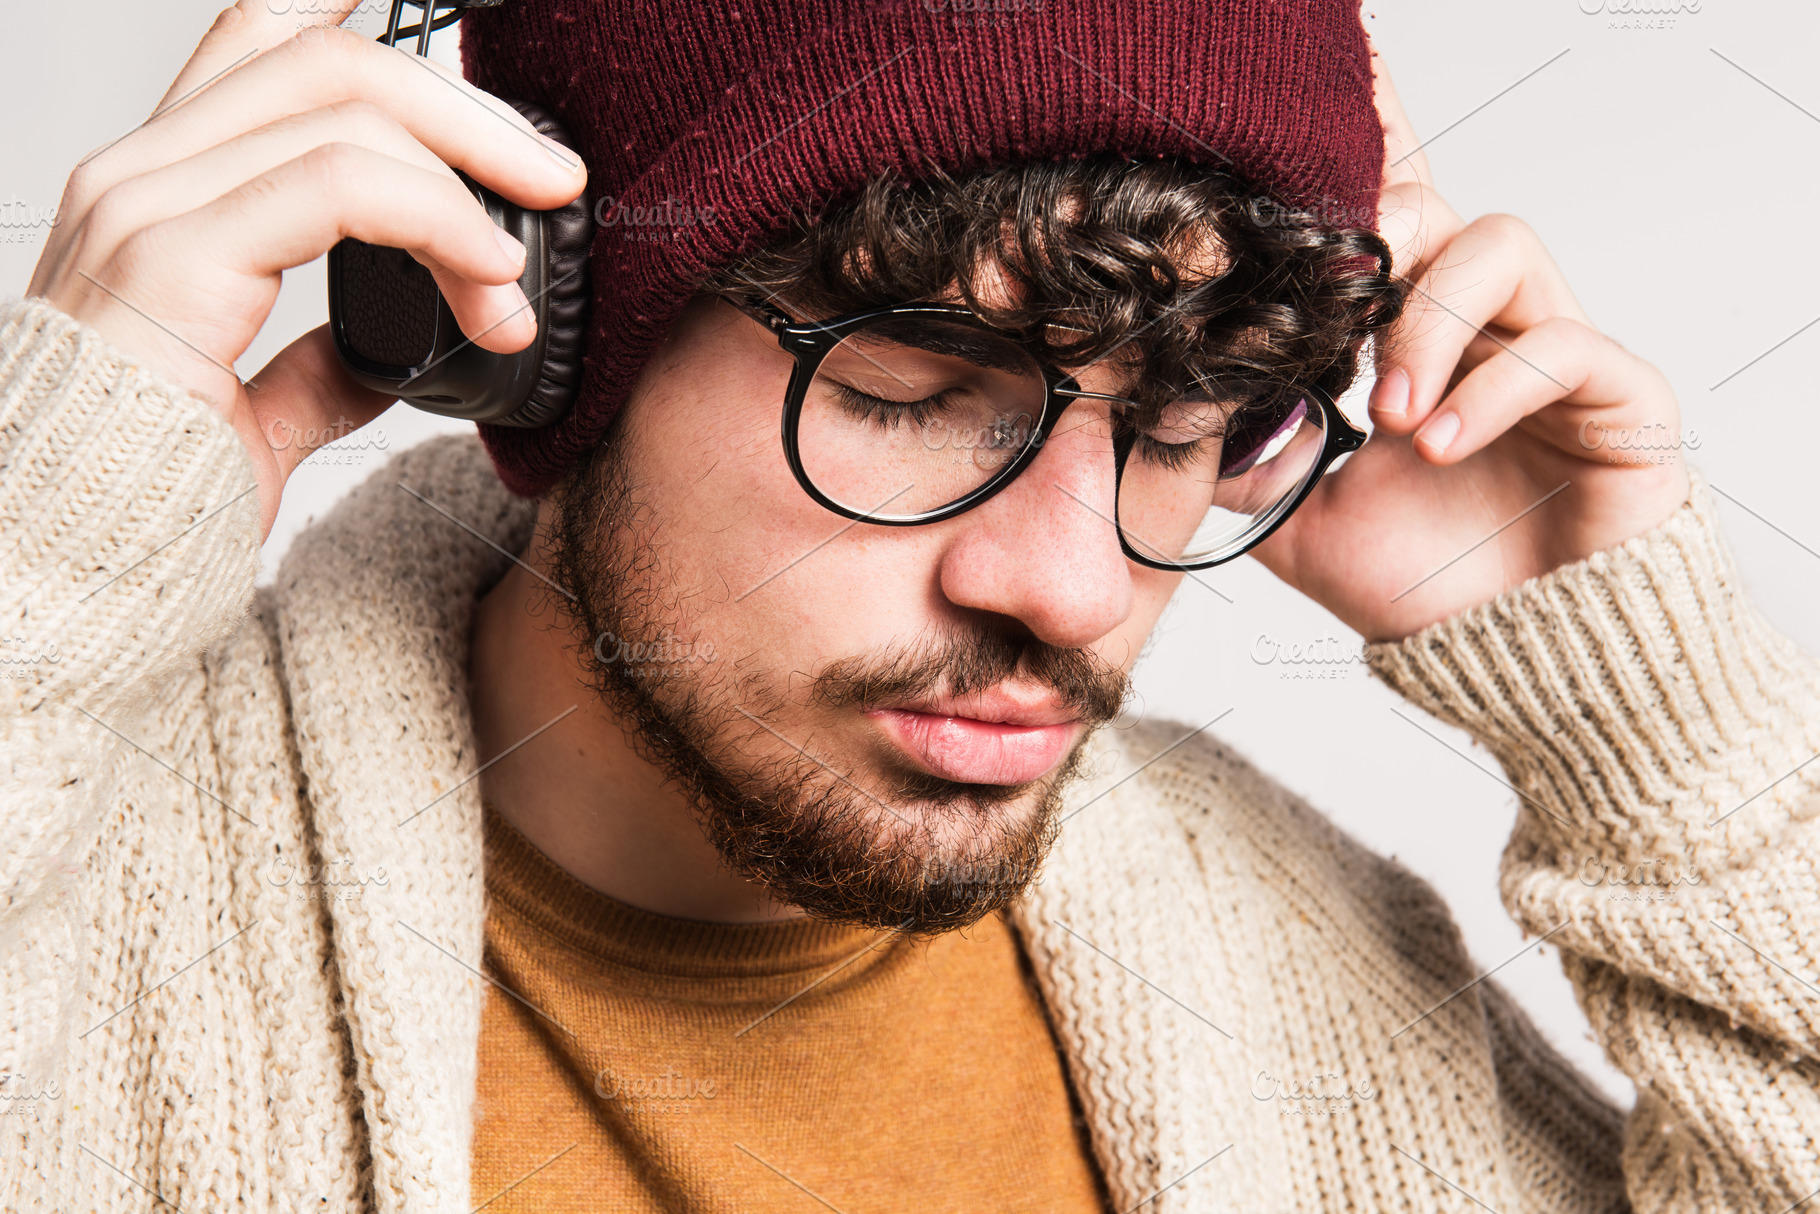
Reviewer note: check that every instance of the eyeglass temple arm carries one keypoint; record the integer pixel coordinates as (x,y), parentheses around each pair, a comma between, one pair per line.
(762,311)
(1083,393)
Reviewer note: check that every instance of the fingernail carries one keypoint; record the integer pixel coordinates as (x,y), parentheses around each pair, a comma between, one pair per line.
(510,247)
(1390,395)
(1440,432)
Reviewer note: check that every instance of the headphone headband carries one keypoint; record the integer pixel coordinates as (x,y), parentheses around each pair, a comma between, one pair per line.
(430,22)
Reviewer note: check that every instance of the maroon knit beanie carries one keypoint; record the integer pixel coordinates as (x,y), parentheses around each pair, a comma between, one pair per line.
(708,123)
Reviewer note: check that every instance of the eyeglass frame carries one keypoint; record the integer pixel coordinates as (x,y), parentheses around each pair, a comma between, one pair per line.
(808,343)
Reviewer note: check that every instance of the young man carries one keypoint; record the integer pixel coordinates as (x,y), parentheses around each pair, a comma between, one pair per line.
(646,812)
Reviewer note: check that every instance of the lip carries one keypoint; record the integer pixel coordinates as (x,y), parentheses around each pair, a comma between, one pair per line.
(992,738)
(1004,704)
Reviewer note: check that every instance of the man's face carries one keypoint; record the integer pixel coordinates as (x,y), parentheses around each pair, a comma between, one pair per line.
(874,722)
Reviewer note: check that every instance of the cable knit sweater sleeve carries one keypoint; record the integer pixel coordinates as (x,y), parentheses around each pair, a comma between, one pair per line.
(129,537)
(1662,740)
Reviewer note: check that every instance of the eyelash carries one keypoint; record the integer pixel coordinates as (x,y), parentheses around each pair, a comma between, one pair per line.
(889,414)
(1171,457)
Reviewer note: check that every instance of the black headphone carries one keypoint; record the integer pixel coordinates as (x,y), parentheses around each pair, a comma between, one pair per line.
(394,331)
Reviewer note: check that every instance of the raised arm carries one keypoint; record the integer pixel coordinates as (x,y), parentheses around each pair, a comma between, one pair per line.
(138,474)
(1661,738)
(1532,572)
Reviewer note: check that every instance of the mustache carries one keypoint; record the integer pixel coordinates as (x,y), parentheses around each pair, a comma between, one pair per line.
(960,663)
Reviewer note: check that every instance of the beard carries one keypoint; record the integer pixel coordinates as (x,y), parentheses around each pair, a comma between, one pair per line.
(895,848)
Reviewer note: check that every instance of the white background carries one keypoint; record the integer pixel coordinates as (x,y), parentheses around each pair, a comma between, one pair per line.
(1671,171)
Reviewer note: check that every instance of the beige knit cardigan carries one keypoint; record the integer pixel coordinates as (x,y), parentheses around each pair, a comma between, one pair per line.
(1259,1014)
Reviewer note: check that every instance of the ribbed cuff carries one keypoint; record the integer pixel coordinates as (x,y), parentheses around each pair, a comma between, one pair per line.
(129,512)
(1639,683)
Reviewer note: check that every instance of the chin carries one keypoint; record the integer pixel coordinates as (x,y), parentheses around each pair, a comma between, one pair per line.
(923,855)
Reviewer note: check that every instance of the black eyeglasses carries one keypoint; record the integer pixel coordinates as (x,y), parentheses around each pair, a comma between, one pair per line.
(912,414)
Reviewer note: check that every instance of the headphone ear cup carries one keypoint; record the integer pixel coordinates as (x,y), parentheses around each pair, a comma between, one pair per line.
(568,238)
(394,331)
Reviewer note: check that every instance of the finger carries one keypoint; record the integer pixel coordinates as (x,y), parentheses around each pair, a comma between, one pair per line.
(325,67)
(1495,271)
(1417,223)
(1414,221)
(465,127)
(322,67)
(306,400)
(385,202)
(179,188)
(176,189)
(296,212)
(240,33)
(228,44)
(1586,369)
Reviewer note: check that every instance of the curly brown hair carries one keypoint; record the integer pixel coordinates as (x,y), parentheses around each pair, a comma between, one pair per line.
(1181,273)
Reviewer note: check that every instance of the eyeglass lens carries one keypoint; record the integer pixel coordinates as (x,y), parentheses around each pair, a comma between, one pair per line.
(910,414)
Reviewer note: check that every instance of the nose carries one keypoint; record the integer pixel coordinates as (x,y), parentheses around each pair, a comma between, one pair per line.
(1045,550)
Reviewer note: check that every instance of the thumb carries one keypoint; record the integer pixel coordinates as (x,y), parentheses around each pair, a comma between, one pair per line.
(300,402)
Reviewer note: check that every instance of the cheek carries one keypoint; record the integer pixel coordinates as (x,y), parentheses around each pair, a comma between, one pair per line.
(773,580)
(709,463)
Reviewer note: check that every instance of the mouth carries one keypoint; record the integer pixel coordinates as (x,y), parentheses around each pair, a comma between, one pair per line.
(996,737)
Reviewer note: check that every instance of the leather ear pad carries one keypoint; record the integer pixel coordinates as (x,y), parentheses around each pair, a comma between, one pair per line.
(568,235)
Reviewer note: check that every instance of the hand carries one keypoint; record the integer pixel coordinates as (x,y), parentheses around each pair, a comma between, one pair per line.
(1494,391)
(275,142)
